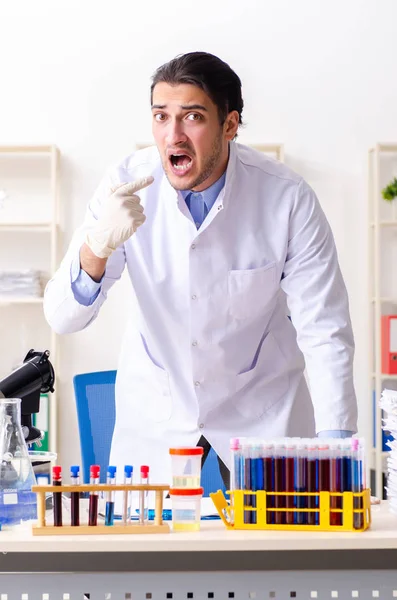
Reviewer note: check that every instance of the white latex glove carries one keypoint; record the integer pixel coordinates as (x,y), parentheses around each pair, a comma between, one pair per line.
(121,216)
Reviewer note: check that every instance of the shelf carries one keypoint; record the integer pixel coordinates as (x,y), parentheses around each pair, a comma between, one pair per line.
(391,223)
(385,147)
(42,149)
(386,299)
(43,220)
(385,453)
(5,301)
(384,376)
(36,227)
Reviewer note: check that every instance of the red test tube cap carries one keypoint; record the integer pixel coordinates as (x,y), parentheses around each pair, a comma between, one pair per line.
(56,472)
(144,470)
(94,471)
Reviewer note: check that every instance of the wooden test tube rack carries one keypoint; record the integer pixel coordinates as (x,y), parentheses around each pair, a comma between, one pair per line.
(132,527)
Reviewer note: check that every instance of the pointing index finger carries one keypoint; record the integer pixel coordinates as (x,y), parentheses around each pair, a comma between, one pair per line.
(139,184)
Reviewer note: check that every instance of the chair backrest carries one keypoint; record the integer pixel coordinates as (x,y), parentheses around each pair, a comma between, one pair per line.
(96,414)
(211,479)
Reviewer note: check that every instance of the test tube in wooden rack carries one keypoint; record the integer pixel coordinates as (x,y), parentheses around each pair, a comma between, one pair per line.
(155,526)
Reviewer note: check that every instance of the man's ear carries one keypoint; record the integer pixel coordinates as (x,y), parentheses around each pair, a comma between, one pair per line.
(231,124)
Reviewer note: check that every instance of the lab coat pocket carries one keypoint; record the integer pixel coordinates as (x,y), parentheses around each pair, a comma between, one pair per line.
(155,391)
(250,290)
(265,383)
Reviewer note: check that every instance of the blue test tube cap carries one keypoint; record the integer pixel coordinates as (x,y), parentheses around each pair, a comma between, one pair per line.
(75,470)
(128,470)
(112,471)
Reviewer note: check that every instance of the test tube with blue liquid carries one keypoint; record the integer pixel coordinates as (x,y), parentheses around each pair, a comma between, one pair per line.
(346,465)
(257,481)
(357,459)
(109,512)
(247,485)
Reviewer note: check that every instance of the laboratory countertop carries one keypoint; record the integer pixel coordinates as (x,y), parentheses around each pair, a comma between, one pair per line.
(213,539)
(213,536)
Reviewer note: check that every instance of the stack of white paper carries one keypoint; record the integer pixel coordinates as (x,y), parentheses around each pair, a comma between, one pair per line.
(388,403)
(21,283)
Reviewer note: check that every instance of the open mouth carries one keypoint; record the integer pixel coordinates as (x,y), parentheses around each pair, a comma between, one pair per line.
(180,163)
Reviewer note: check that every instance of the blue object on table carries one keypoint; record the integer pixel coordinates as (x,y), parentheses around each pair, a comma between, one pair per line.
(211,479)
(96,413)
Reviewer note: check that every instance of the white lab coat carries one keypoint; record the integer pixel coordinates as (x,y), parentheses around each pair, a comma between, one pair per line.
(208,347)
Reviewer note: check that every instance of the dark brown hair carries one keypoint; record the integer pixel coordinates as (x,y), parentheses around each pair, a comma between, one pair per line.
(207,72)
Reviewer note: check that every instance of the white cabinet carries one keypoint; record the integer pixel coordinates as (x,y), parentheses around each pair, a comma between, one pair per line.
(29,242)
(382,286)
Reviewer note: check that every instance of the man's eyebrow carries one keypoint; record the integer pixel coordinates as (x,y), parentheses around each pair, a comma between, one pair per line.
(182,106)
(193,107)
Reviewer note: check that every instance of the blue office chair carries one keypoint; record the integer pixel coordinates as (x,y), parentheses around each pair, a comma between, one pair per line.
(96,415)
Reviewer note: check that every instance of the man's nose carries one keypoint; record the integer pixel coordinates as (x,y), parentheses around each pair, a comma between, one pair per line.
(175,134)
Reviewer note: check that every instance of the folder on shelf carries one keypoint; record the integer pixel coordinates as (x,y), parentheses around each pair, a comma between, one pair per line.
(40,420)
(389,344)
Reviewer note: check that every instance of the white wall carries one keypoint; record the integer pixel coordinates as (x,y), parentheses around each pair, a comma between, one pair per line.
(318,76)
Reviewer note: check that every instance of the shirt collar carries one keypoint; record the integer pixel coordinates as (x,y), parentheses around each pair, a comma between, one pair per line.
(211,193)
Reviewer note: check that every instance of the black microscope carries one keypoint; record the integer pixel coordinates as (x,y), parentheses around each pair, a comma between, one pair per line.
(34,377)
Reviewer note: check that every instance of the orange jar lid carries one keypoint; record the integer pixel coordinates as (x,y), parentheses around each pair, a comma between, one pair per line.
(187,451)
(199,491)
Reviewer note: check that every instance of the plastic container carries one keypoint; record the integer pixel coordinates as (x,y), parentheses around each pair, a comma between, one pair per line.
(186,508)
(42,463)
(186,466)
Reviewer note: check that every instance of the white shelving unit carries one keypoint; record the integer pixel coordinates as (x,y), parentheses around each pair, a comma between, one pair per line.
(382,167)
(273,149)
(30,223)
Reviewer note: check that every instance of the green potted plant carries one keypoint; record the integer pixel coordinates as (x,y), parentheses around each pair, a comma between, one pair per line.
(390,191)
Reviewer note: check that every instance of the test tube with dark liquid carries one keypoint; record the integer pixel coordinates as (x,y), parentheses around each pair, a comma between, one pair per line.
(75,497)
(57,496)
(93,502)
(111,480)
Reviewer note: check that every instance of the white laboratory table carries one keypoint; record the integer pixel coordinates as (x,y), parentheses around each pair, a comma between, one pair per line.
(213,563)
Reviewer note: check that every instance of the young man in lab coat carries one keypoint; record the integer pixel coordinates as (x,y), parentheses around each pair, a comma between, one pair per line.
(217,239)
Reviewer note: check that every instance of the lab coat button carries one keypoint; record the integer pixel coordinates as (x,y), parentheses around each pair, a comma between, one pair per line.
(194,297)
(220,207)
(193,246)
(195,343)
(201,425)
(197,383)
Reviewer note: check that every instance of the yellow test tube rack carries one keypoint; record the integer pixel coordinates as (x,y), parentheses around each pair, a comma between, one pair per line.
(155,526)
(234,513)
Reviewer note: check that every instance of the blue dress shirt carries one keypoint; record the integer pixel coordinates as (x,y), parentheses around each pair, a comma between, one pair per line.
(200,203)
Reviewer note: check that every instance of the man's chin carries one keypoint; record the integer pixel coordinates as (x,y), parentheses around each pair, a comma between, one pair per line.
(178,183)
